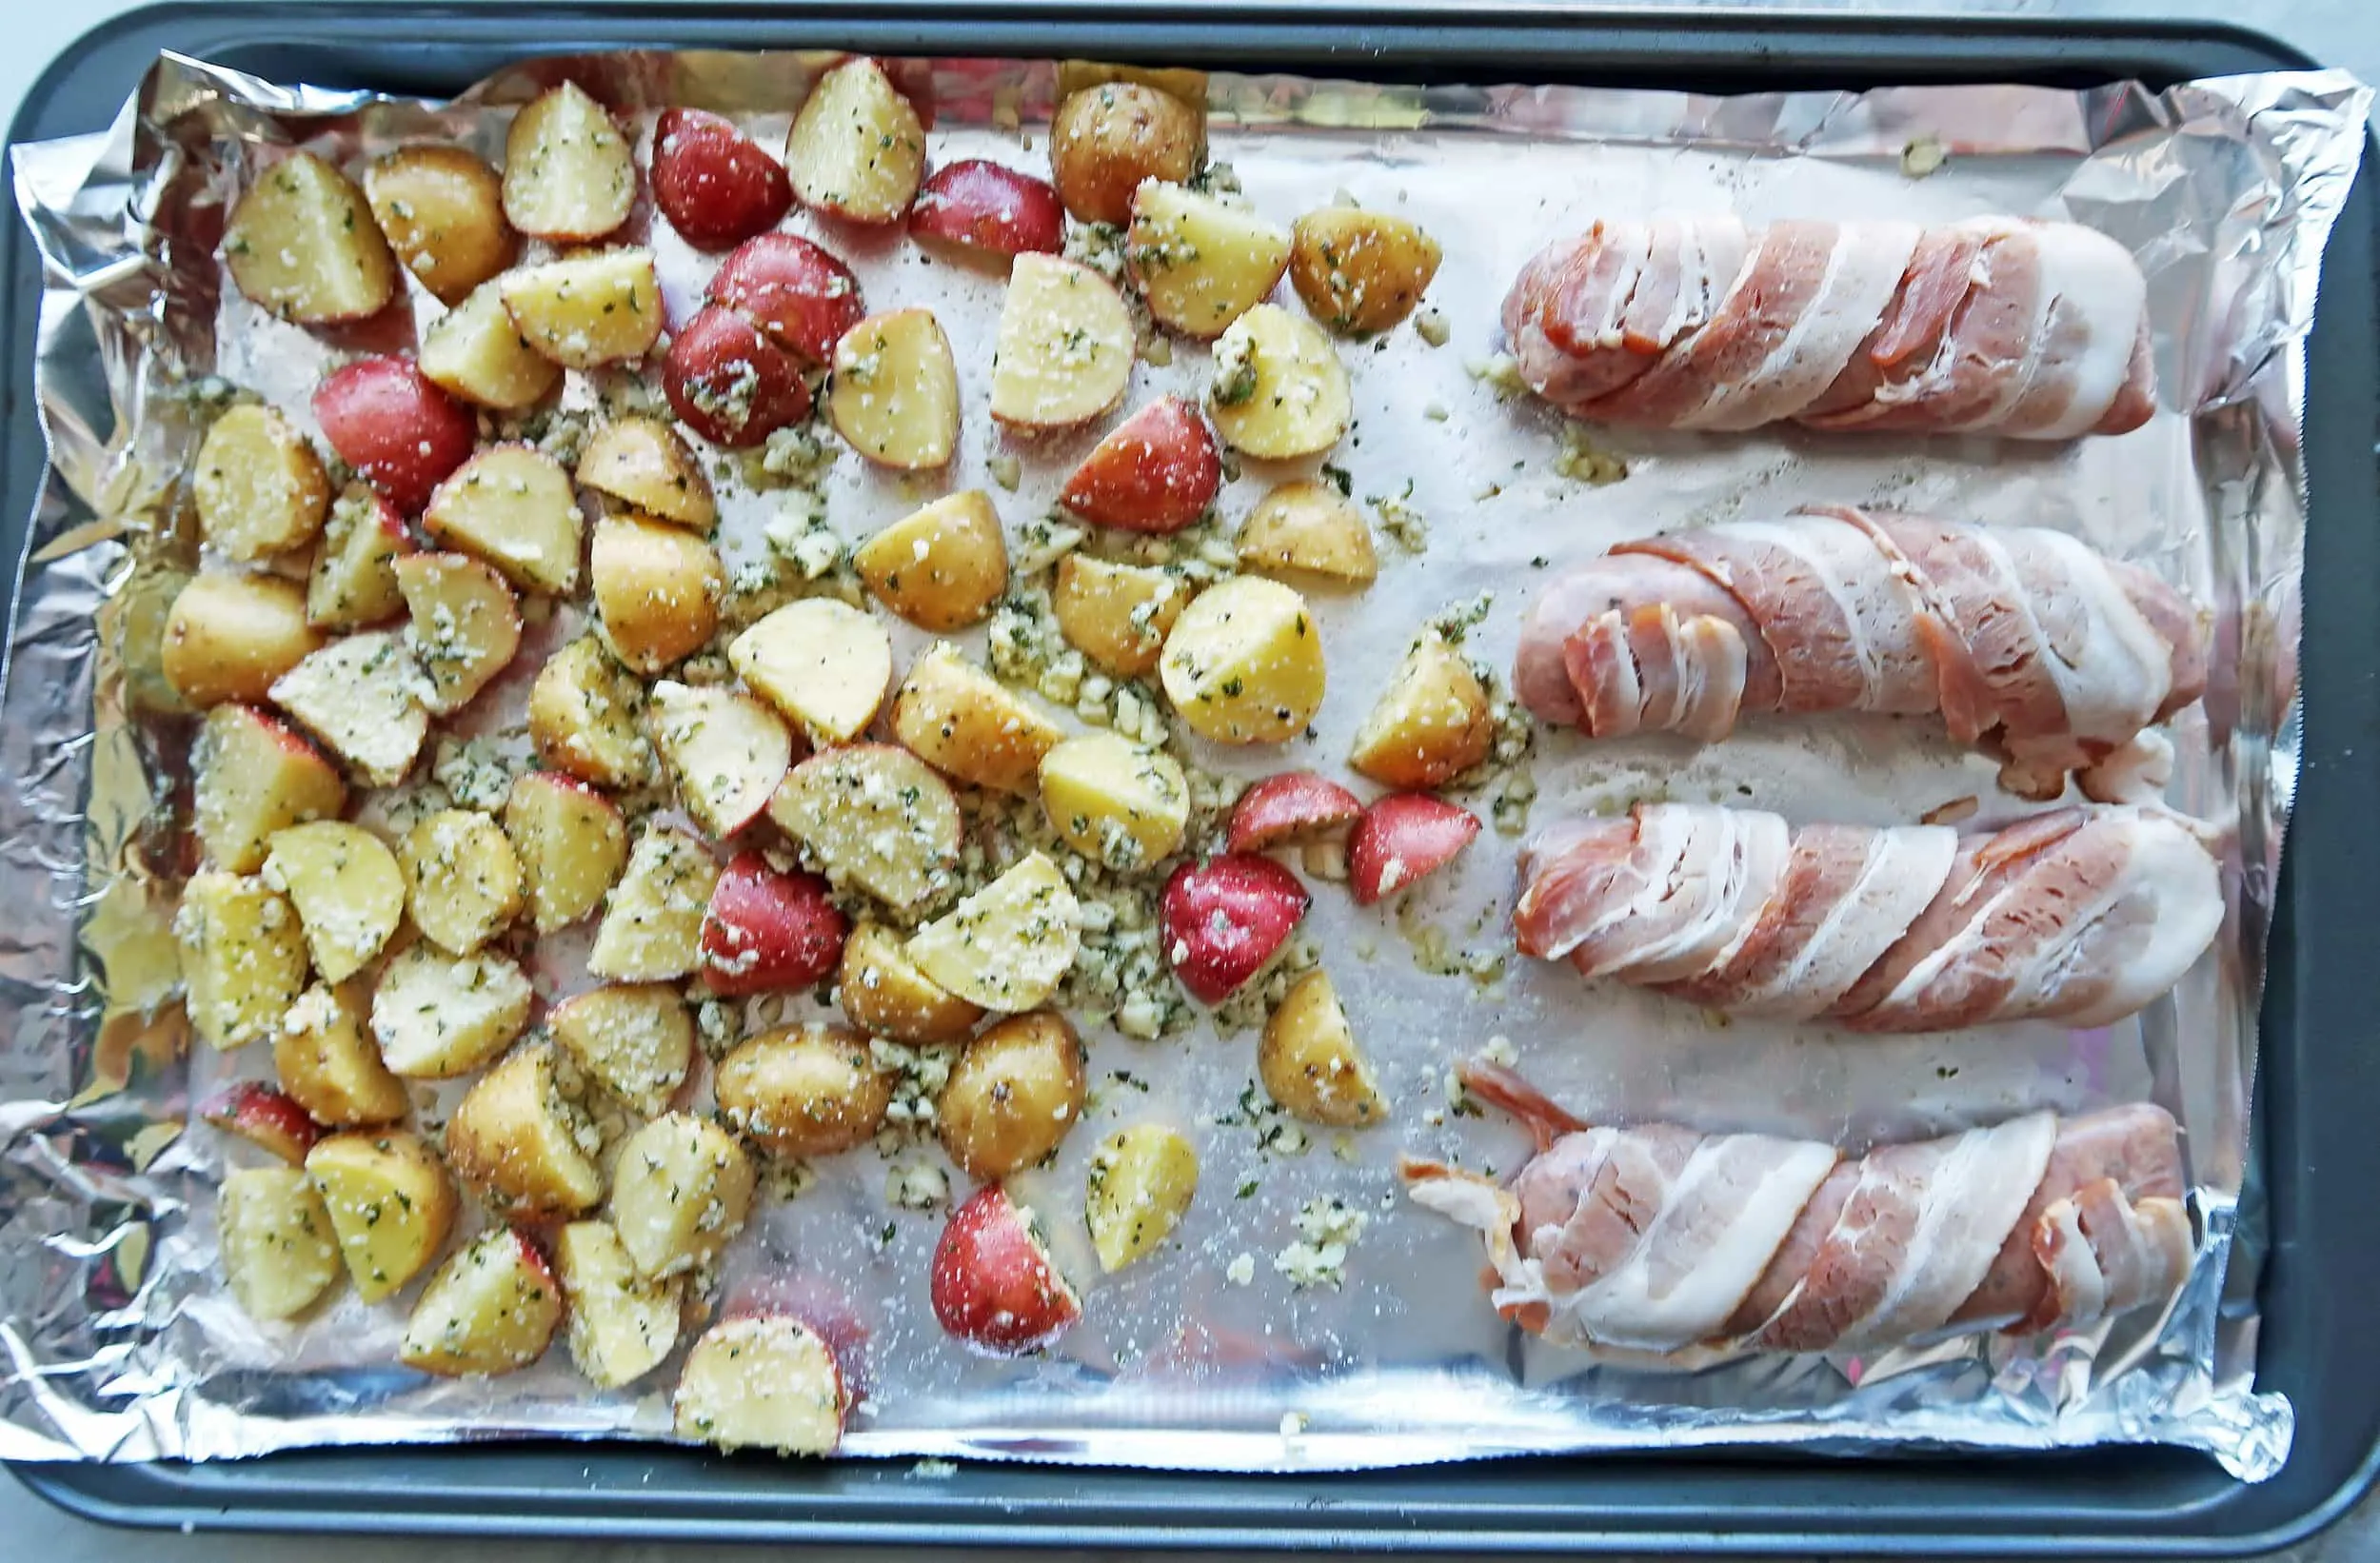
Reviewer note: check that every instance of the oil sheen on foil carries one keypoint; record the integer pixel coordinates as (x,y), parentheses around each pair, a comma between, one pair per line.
(121,1343)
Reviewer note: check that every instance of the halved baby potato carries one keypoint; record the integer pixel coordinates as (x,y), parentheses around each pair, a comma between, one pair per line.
(1067,346)
(462,878)
(1245,663)
(243,957)
(275,1240)
(635,1038)
(256,777)
(301,242)
(352,583)
(1117,615)
(941,567)
(806,1090)
(656,589)
(1140,1185)
(1311,527)
(464,626)
(895,394)
(1013,1095)
(229,637)
(727,751)
(1361,272)
(764,1381)
(1279,391)
(1200,261)
(621,1324)
(856,150)
(1115,801)
(585,716)
(571,843)
(258,486)
(680,1191)
(330,1066)
(362,697)
(513,506)
(822,663)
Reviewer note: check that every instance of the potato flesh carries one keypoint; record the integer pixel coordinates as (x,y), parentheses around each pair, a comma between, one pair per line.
(642,462)
(968,725)
(1066,347)
(657,589)
(515,1142)
(727,751)
(302,242)
(681,1188)
(513,506)
(464,626)
(353,582)
(258,487)
(1115,801)
(585,311)
(635,1038)
(895,395)
(256,778)
(1201,263)
(492,1309)
(884,993)
(822,663)
(652,930)
(584,718)
(809,1090)
(391,1204)
(1007,946)
(765,1382)
(230,637)
(1361,272)
(1310,1064)
(442,209)
(1280,390)
(328,1064)
(275,1240)
(1245,663)
(436,1016)
(1012,1097)
(243,957)
(875,816)
(569,173)
(940,569)
(571,845)
(1429,725)
(477,352)
(1116,615)
(621,1324)
(1311,528)
(856,147)
(463,880)
(362,697)
(1141,1183)
(347,889)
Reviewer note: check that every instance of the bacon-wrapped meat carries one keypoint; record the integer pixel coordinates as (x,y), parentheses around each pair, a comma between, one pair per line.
(2028,644)
(1663,1238)
(2035,329)
(2083,915)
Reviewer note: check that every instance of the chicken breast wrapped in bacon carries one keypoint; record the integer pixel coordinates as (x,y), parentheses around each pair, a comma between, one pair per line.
(2035,329)
(2083,915)
(2028,644)
(1663,1238)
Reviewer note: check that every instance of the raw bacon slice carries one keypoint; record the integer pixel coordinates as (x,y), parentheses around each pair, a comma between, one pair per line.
(1665,1239)
(2032,330)
(2026,642)
(2083,915)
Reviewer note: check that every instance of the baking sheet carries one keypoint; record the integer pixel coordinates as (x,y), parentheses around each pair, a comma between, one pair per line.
(123,1345)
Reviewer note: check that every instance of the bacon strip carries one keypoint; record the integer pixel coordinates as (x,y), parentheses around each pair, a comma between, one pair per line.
(1666,1239)
(2026,642)
(2032,330)
(2084,915)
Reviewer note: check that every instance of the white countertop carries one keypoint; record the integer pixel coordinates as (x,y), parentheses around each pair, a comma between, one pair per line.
(2343,32)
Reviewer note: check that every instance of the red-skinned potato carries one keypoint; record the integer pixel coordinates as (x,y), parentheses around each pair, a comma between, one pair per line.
(716,187)
(800,296)
(401,432)
(761,1381)
(978,211)
(1289,806)
(1224,919)
(1157,471)
(257,775)
(766,929)
(490,1308)
(1402,837)
(729,383)
(264,1118)
(993,1284)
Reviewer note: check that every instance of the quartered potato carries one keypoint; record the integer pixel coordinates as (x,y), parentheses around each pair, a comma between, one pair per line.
(1200,261)
(436,1016)
(229,637)
(518,1142)
(1361,272)
(1141,1183)
(1116,615)
(301,242)
(967,724)
(259,487)
(586,717)
(1067,346)
(476,351)
(466,625)
(361,696)
(635,1038)
(894,393)
(621,1323)
(641,463)
(243,957)
(682,1189)
(275,1240)
(353,580)
(764,1381)
(571,843)
(463,880)
(822,663)
(886,995)
(726,751)
(347,889)
(1312,528)
(391,1204)
(442,208)
(656,590)
(940,569)
(875,816)
(1007,946)
(1310,1064)
(652,930)
(1430,725)
(583,311)
(1278,390)
(256,777)
(569,170)
(856,149)
(513,506)
(330,1065)
(493,1308)
(1115,801)
(1245,663)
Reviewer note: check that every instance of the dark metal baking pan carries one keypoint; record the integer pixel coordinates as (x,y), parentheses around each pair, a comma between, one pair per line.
(2318,1095)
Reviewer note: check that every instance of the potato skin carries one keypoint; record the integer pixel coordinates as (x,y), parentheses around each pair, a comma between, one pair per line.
(1430,725)
(968,725)
(1309,528)
(228,637)
(1100,609)
(1013,1095)
(1309,1061)
(806,1090)
(1361,272)
(940,569)
(1107,138)
(1245,663)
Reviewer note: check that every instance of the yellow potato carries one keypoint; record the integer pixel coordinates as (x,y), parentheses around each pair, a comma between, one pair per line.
(228,637)
(1173,81)
(301,242)
(514,1140)
(1278,390)
(588,310)
(1430,725)
(822,663)
(637,1039)
(347,889)
(1141,1183)
(652,930)
(940,569)
(513,506)
(681,1189)
(1116,615)
(571,843)
(1007,946)
(1013,1095)
(876,816)
(622,1325)
(1107,138)
(353,582)
(1311,527)
(967,724)
(390,1201)
(1361,272)
(1309,1061)
(856,148)
(436,1016)
(361,696)
(806,1090)
(493,1308)
(275,1240)
(641,463)
(569,172)
(478,353)
(882,992)
(1245,663)
(1115,801)
(258,486)
(243,957)
(657,588)
(1065,347)
(584,717)
(760,1381)
(463,880)
(329,1065)
(442,210)
(1200,261)
(894,393)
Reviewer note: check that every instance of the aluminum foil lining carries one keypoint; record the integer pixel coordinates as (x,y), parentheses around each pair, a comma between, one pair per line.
(121,1342)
